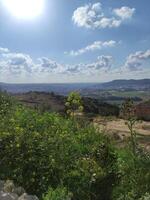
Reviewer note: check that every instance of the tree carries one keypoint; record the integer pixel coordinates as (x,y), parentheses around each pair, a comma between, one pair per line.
(74,104)
(128,113)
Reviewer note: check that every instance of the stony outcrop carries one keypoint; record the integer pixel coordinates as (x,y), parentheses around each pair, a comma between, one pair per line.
(8,191)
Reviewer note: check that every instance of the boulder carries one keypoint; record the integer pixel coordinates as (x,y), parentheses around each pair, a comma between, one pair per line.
(8,191)
(8,196)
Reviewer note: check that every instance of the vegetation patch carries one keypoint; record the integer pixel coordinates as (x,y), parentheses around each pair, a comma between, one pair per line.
(56,157)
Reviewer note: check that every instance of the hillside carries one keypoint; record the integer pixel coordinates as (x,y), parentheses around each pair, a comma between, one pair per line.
(143,84)
(56,103)
(64,88)
(143,110)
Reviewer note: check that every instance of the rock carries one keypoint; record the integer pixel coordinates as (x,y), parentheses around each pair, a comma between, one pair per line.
(8,191)
(2,185)
(9,186)
(19,191)
(8,196)
(28,197)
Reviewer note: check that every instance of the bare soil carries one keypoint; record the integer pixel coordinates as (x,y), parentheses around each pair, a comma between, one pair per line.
(120,132)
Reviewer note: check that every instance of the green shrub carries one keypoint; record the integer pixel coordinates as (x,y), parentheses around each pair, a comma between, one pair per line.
(134,175)
(6,104)
(145,197)
(43,152)
(39,151)
(59,193)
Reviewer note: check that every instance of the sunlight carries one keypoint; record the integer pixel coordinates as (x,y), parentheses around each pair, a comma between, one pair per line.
(24,9)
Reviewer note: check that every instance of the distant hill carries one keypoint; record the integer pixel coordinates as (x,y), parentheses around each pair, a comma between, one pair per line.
(64,88)
(60,88)
(143,84)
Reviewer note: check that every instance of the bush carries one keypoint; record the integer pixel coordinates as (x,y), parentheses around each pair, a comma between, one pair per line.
(59,193)
(47,152)
(6,104)
(134,176)
(39,151)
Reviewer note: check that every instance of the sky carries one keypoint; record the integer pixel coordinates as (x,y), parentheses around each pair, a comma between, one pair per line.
(58,41)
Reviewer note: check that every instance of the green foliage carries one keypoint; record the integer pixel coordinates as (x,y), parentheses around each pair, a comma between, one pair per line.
(59,193)
(39,151)
(56,156)
(74,103)
(6,104)
(133,174)
(145,197)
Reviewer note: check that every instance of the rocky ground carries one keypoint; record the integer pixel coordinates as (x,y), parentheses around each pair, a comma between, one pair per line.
(8,191)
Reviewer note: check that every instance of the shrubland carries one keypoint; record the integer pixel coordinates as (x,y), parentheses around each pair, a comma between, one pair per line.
(64,158)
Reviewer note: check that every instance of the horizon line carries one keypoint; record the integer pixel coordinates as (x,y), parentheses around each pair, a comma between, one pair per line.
(74,82)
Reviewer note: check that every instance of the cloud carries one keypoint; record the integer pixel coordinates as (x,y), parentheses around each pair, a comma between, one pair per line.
(3,50)
(97,45)
(87,15)
(124,12)
(135,61)
(16,63)
(92,16)
(102,64)
(47,65)
(106,22)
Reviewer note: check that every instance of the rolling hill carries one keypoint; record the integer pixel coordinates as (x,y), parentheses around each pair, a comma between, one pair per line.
(65,88)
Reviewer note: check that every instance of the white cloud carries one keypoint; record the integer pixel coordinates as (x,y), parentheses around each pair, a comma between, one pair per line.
(47,65)
(97,45)
(3,50)
(102,64)
(108,23)
(87,15)
(92,16)
(134,62)
(16,63)
(124,12)
(22,66)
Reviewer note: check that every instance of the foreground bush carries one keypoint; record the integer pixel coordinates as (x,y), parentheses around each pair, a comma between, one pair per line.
(42,150)
(134,173)
(59,158)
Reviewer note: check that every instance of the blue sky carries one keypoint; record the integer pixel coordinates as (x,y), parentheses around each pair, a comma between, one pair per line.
(76,41)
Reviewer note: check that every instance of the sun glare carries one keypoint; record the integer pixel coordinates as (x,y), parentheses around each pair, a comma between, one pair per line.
(24,9)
